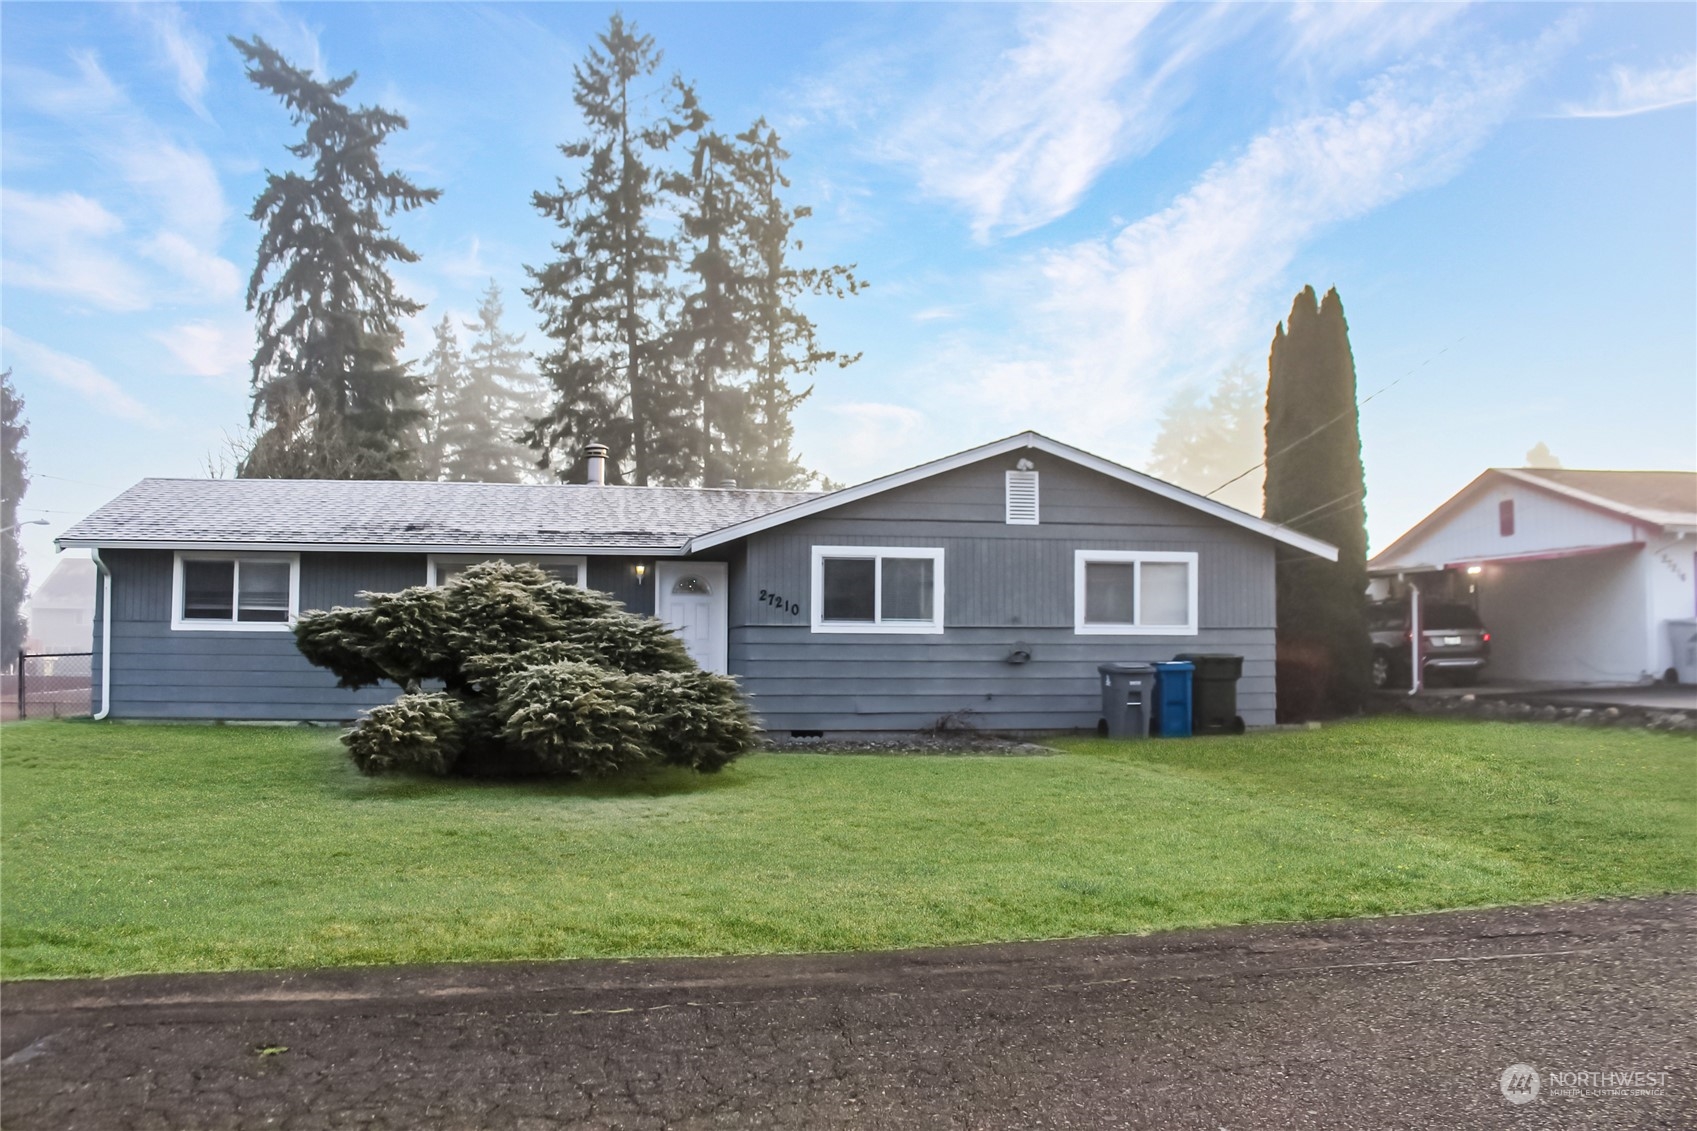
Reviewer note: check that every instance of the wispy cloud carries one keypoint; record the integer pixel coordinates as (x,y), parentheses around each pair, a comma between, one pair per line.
(1020,142)
(211,350)
(1107,327)
(1631,90)
(1349,34)
(181,48)
(101,392)
(172,210)
(62,244)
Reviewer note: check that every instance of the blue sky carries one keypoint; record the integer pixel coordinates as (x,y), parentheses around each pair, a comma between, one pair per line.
(1066,214)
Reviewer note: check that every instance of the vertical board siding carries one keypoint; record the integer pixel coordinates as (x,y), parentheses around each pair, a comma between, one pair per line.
(1004,585)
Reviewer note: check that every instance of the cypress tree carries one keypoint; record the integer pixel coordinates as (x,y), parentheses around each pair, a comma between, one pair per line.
(1315,485)
(608,299)
(332,397)
(14,482)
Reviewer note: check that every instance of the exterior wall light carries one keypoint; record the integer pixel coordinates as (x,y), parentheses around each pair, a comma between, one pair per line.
(641,569)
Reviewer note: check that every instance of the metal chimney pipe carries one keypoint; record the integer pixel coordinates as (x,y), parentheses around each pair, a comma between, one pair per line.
(595,464)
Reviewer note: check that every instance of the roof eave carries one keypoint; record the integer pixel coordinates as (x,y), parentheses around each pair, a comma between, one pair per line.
(96,543)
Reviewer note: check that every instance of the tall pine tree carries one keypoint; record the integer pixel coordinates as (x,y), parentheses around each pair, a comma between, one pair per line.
(483,421)
(444,376)
(329,392)
(785,339)
(608,298)
(14,482)
(1315,484)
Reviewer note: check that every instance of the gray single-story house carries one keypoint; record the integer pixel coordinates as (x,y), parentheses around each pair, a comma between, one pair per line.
(985,586)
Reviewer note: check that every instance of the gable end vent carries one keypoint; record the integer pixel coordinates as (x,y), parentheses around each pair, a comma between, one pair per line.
(1022,498)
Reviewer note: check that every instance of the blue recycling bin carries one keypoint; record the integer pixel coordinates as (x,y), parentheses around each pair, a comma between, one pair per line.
(1172,698)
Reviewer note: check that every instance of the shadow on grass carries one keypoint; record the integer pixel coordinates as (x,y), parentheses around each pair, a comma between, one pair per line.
(653,783)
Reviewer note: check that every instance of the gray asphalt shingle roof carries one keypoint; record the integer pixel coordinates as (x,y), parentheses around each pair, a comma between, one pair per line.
(313,512)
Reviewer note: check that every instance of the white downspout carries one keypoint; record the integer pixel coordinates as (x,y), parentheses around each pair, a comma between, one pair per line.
(105,636)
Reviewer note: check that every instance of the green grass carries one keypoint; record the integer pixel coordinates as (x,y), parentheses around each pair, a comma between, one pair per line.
(138,848)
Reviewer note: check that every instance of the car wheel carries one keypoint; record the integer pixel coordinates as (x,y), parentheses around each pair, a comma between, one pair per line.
(1381,671)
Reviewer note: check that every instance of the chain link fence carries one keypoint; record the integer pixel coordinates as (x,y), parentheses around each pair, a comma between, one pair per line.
(48,685)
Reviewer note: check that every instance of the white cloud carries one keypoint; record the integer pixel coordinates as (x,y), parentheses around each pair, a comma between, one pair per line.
(1019,146)
(859,441)
(218,352)
(1348,34)
(183,49)
(173,211)
(100,391)
(1107,327)
(1633,91)
(62,244)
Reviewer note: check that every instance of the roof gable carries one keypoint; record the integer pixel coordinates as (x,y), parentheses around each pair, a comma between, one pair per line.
(1633,497)
(1024,441)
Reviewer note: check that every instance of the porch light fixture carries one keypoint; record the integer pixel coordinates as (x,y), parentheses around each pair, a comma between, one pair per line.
(641,569)
(1475,570)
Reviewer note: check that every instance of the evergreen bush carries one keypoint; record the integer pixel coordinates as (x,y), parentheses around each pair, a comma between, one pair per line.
(538,677)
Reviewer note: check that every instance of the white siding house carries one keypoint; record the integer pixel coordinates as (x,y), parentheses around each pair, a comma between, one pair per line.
(1577,574)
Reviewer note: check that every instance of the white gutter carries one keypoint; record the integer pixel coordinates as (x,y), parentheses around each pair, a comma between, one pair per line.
(493,548)
(105,636)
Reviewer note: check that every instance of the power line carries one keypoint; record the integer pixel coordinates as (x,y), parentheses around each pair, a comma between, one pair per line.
(1345,415)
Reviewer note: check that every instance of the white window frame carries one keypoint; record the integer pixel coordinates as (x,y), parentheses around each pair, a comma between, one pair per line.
(181,624)
(932,627)
(434,560)
(1082,558)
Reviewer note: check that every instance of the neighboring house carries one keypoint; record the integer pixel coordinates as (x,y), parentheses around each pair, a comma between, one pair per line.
(1575,573)
(985,586)
(60,609)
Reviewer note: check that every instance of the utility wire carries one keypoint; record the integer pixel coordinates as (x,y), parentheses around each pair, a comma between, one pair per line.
(1345,415)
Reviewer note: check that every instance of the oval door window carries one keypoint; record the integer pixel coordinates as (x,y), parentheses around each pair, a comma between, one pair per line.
(692,584)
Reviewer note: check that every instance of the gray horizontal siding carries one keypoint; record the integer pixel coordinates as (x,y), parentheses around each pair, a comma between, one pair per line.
(797,680)
(159,672)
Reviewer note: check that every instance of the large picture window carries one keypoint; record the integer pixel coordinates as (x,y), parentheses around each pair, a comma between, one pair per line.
(573,571)
(877,589)
(1134,592)
(247,592)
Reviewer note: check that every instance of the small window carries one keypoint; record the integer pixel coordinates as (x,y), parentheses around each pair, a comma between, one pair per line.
(1505,518)
(1134,592)
(877,589)
(692,585)
(235,591)
(445,567)
(1022,498)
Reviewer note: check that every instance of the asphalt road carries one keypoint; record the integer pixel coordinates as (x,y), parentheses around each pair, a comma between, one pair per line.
(1405,1022)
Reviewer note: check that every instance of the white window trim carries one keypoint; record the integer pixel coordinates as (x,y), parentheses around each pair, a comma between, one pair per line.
(877,553)
(180,624)
(433,560)
(1081,558)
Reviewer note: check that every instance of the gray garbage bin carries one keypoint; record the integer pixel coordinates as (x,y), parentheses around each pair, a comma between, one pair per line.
(1128,692)
(1682,639)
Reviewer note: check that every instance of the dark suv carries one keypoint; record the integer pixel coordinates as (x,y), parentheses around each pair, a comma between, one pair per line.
(1453,642)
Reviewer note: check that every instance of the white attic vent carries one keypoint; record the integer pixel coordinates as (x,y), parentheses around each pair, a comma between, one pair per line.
(1022,498)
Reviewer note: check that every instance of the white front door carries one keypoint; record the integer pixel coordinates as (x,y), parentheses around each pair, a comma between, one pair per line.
(691,598)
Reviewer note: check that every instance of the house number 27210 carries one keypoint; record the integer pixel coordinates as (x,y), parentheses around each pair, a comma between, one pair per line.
(770,598)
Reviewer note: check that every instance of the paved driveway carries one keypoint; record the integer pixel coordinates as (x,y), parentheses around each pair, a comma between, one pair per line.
(1404,1022)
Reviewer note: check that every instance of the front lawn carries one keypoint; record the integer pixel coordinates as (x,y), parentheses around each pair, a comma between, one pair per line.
(136,848)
